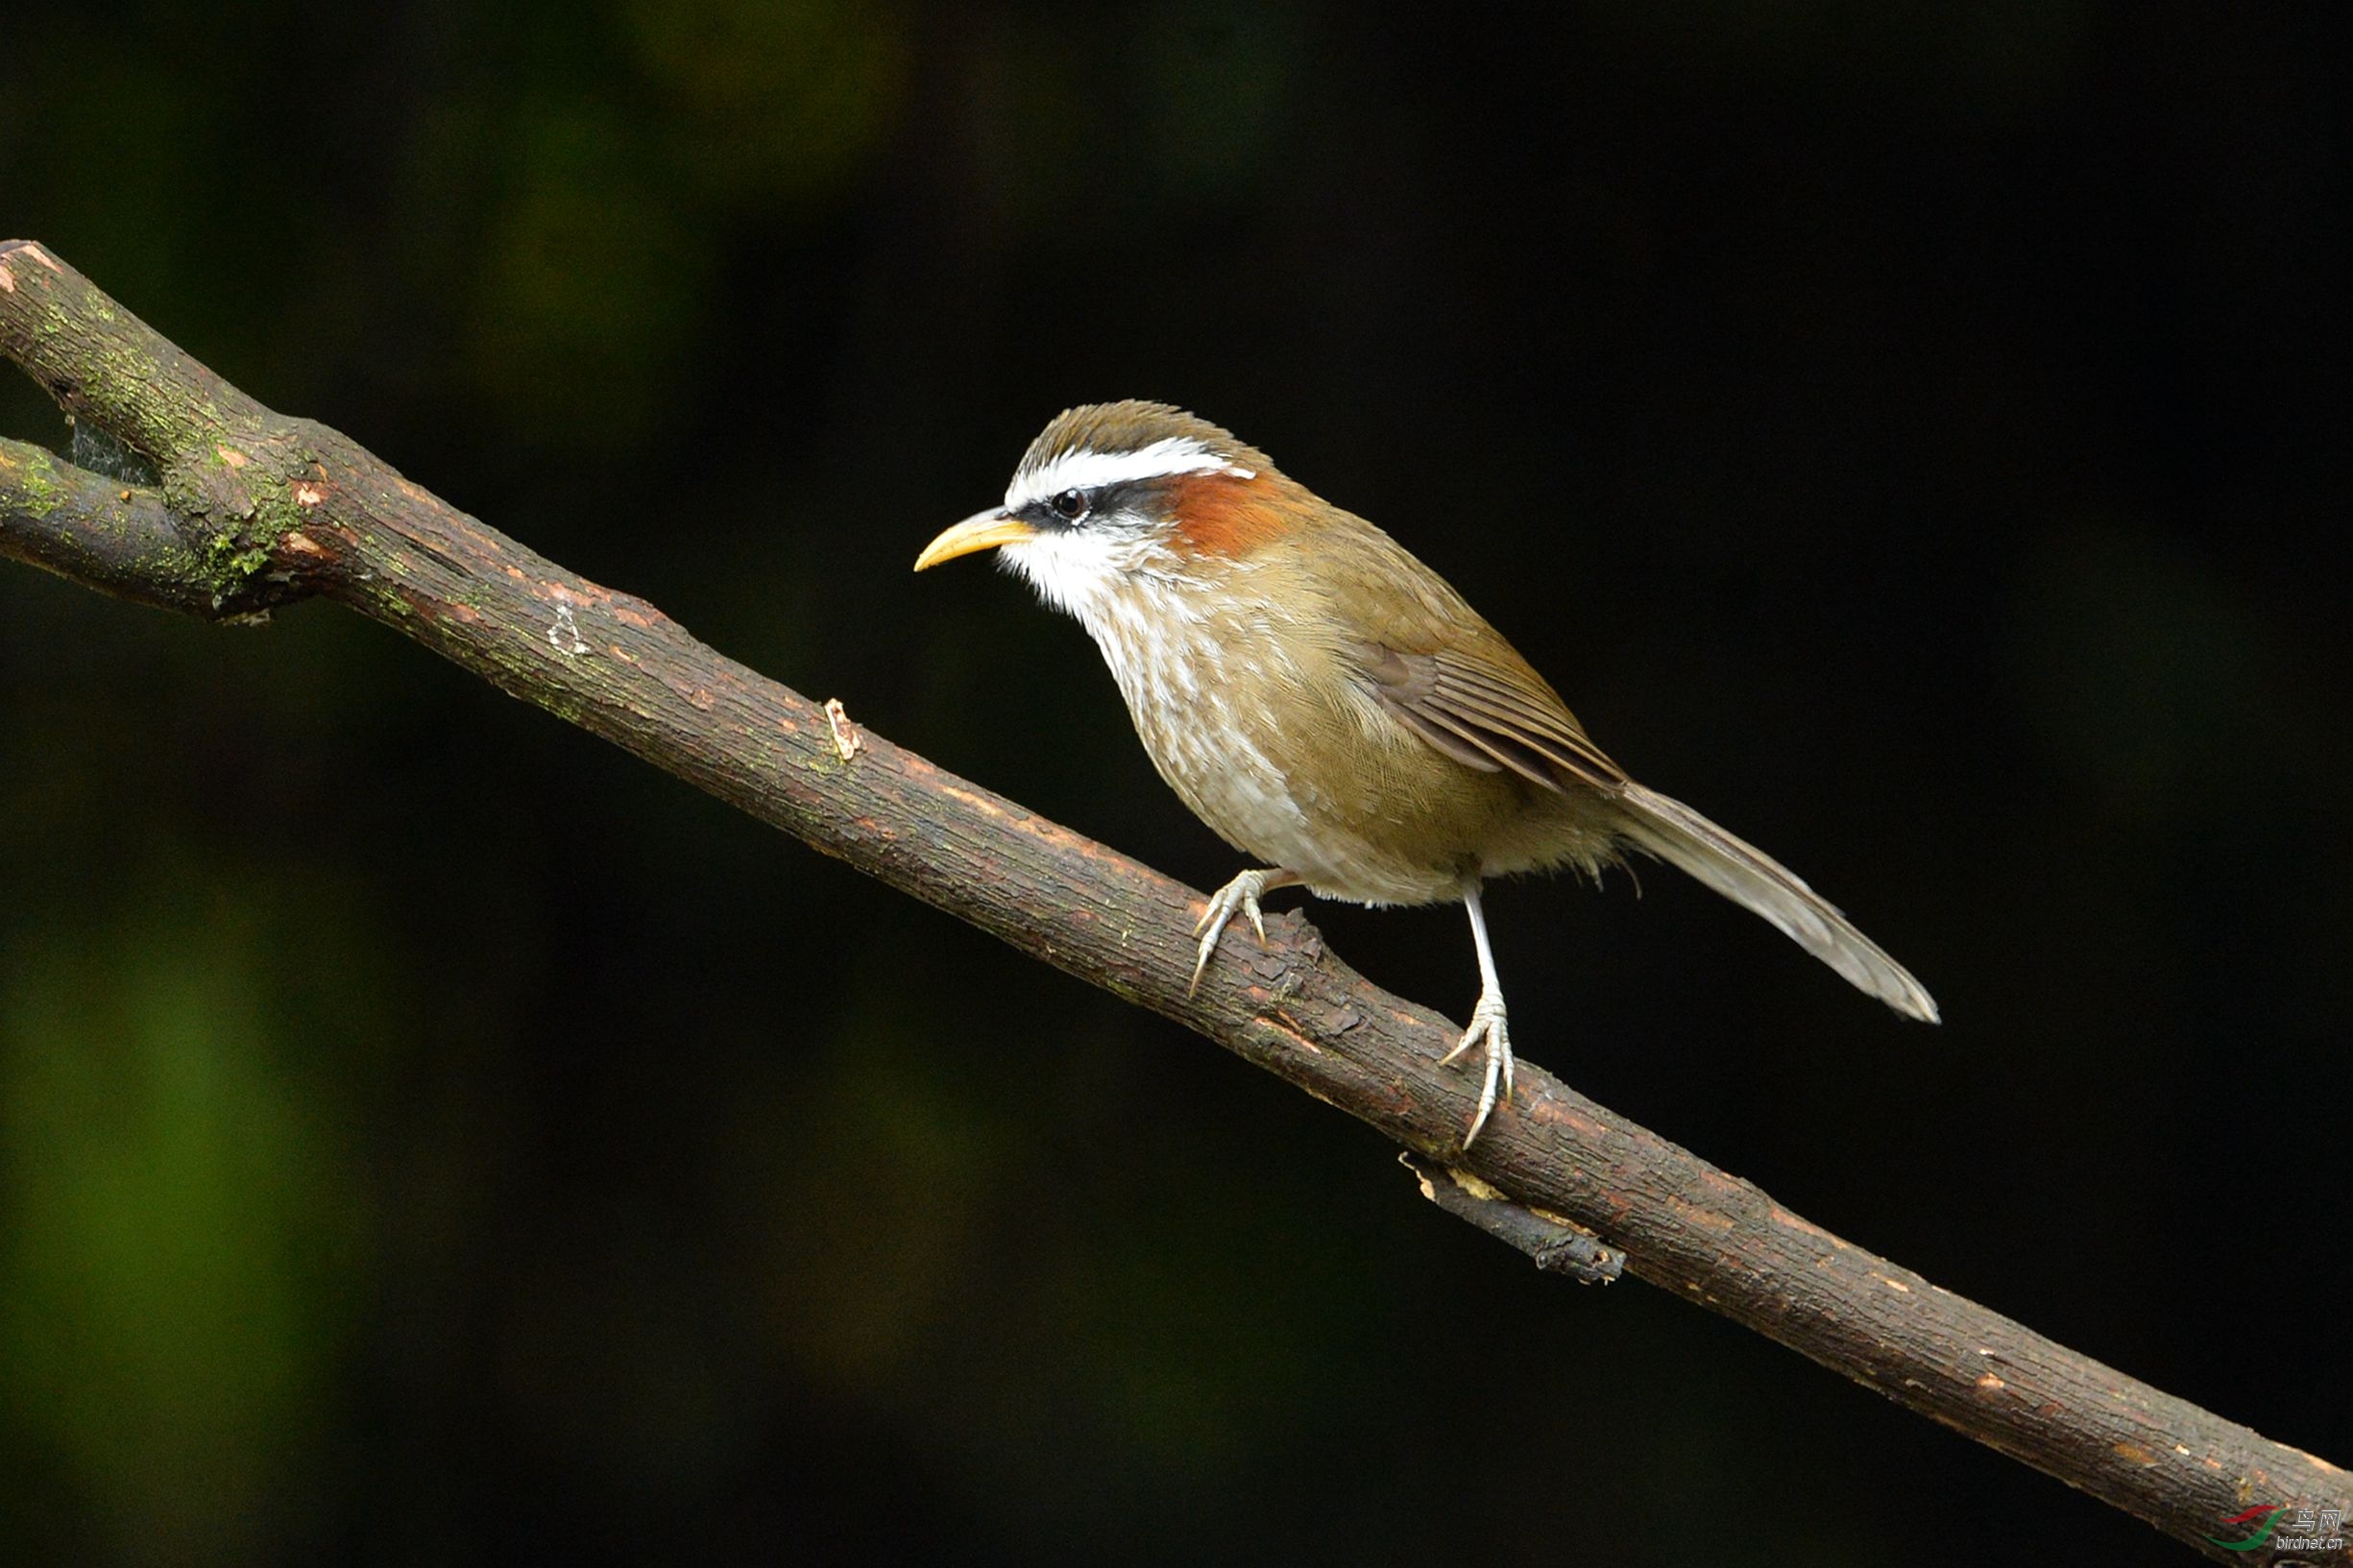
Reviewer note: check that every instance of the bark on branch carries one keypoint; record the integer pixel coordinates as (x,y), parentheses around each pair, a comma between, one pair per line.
(254,508)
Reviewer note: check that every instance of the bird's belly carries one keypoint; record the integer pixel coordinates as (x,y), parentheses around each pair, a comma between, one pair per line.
(1205,720)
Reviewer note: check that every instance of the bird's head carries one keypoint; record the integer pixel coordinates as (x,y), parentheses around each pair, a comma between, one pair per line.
(1113,495)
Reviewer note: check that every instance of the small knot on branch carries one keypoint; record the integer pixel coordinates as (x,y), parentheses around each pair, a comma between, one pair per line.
(1552,1243)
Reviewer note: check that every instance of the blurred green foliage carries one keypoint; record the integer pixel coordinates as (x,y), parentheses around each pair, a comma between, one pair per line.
(426,1135)
(188,1233)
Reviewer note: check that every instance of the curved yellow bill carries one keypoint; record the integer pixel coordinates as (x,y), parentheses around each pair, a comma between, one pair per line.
(982,531)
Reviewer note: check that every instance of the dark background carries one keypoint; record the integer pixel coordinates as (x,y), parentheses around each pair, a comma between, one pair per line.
(427,1135)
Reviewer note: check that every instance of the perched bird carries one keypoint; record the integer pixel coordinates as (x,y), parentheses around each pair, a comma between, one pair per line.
(1333,708)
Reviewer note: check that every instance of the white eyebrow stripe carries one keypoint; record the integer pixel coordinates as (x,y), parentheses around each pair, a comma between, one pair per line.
(1084,470)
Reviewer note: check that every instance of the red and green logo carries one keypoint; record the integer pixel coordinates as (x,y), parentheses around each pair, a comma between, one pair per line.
(2268,1513)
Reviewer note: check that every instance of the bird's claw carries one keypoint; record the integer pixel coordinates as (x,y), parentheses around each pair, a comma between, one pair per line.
(1237,896)
(1487,1023)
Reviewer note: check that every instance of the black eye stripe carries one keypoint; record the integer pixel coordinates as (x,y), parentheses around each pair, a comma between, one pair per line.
(1073,505)
(1118,495)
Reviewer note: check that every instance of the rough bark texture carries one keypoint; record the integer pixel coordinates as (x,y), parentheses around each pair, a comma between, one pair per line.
(254,508)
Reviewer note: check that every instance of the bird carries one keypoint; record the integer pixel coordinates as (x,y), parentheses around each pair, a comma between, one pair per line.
(1335,711)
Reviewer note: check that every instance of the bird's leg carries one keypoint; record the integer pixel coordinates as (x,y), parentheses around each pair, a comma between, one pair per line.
(1237,896)
(1486,1024)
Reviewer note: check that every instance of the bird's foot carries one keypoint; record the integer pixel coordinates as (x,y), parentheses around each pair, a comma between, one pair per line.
(1487,1023)
(1237,896)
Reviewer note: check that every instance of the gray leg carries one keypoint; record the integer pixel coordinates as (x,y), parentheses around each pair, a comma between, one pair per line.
(1487,1023)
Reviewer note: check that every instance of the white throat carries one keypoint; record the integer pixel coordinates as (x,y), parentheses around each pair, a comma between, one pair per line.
(1079,570)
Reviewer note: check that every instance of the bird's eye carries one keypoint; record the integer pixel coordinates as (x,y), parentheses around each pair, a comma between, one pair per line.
(1071,505)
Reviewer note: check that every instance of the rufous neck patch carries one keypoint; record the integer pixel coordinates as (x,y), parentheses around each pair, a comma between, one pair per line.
(1224,515)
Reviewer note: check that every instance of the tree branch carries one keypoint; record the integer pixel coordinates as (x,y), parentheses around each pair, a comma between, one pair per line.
(119,539)
(254,507)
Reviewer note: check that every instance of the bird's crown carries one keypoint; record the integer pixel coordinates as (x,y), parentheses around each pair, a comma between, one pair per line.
(1098,444)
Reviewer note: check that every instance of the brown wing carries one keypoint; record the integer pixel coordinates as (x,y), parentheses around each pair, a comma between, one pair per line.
(1487,715)
(1445,674)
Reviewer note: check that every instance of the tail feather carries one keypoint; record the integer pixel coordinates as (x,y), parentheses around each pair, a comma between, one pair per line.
(1747,876)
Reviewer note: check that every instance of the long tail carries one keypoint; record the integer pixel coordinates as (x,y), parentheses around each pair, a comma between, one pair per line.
(1746,875)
